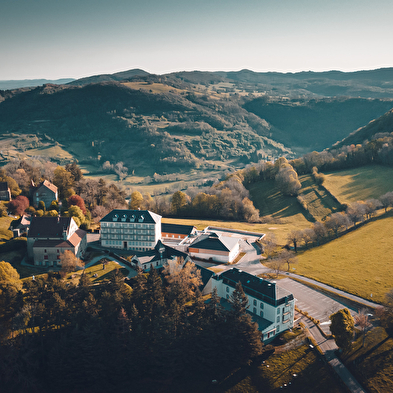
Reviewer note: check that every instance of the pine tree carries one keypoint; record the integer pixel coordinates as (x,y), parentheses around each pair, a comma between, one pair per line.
(243,333)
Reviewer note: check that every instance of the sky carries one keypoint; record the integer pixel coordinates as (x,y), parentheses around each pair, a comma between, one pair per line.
(54,39)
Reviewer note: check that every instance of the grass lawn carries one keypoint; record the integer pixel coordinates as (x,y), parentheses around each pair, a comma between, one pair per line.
(359,262)
(276,374)
(280,229)
(97,269)
(372,364)
(5,233)
(359,184)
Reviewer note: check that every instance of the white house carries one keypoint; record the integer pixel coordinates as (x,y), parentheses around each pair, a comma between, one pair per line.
(271,306)
(215,247)
(158,257)
(138,230)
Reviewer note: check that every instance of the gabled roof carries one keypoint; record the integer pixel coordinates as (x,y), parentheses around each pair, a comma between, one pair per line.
(48,185)
(206,275)
(3,186)
(255,286)
(177,228)
(154,255)
(119,215)
(212,241)
(23,221)
(49,227)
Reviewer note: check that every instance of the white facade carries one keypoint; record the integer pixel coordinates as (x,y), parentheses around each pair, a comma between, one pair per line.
(278,313)
(131,230)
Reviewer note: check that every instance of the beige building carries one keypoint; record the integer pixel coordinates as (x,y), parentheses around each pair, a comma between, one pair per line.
(49,237)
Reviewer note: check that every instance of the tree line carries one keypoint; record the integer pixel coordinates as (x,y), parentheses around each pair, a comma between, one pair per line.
(60,336)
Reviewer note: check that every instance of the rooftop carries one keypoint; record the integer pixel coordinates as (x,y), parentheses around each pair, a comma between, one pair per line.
(49,227)
(119,215)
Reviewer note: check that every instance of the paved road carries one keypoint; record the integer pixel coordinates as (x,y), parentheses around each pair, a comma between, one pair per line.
(328,348)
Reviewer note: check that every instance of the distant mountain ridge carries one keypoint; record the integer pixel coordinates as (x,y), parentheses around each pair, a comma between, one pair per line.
(18,84)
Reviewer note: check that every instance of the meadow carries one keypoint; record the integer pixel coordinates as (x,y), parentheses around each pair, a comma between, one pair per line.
(360,184)
(359,262)
(372,364)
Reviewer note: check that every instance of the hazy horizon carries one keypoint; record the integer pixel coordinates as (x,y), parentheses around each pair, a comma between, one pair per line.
(53,40)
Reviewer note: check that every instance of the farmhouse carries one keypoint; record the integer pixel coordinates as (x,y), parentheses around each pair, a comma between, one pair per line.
(271,306)
(20,226)
(48,237)
(45,191)
(138,230)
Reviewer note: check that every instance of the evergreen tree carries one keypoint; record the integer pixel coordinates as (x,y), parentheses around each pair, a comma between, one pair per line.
(342,327)
(243,333)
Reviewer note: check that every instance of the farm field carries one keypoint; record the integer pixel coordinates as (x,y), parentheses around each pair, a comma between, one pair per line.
(319,203)
(358,262)
(358,184)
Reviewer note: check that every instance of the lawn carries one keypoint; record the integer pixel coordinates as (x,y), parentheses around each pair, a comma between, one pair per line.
(281,229)
(277,374)
(372,364)
(5,233)
(358,184)
(359,262)
(96,269)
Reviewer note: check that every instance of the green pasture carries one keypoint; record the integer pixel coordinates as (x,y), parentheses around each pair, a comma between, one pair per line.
(280,228)
(359,262)
(359,184)
(372,364)
(319,203)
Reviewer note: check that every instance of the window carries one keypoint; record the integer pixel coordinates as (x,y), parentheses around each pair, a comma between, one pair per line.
(278,311)
(278,329)
(261,314)
(227,289)
(45,256)
(255,302)
(261,305)
(255,310)
(227,296)
(278,319)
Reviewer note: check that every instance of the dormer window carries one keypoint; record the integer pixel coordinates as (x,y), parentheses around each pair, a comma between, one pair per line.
(115,217)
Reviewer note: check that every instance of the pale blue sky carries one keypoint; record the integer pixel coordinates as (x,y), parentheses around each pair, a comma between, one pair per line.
(76,38)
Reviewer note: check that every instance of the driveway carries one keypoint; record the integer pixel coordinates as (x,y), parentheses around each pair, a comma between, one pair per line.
(317,304)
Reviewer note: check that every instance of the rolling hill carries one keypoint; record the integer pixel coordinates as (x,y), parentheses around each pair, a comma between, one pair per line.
(180,122)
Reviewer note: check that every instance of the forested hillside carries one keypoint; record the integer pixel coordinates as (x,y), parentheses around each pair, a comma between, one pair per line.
(180,122)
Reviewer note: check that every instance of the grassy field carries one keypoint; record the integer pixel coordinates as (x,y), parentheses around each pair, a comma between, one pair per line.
(319,203)
(5,233)
(372,364)
(358,184)
(281,228)
(359,262)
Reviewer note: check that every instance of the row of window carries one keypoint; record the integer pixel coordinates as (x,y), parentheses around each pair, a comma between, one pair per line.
(126,225)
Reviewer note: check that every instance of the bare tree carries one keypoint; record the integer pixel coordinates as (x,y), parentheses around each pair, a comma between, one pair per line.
(269,242)
(335,222)
(69,262)
(356,212)
(121,170)
(288,257)
(308,236)
(361,320)
(276,264)
(387,200)
(320,231)
(295,237)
